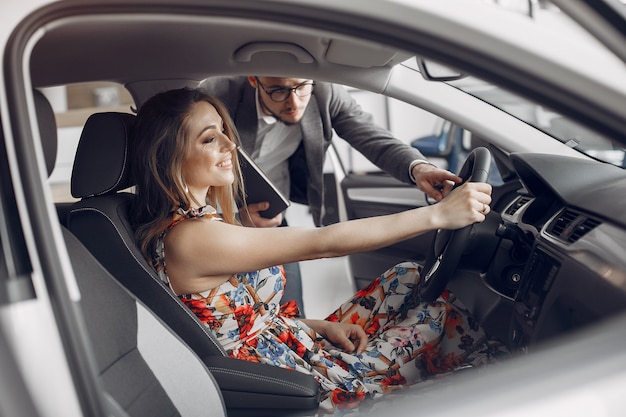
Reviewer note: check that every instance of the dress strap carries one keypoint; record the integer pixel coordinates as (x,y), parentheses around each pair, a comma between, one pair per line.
(193,213)
(198,212)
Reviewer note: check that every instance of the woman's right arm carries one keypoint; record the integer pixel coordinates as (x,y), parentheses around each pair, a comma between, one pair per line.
(203,250)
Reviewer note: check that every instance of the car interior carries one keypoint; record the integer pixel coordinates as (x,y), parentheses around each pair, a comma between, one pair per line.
(131,345)
(100,221)
(547,262)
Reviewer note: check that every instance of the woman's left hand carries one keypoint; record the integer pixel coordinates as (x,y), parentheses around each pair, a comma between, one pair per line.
(350,337)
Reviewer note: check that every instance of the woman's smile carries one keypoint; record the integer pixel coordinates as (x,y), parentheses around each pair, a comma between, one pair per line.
(228,164)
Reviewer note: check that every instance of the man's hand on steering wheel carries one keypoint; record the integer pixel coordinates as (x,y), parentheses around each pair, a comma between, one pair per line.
(434,181)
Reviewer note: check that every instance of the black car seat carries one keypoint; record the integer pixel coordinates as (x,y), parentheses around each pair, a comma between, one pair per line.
(144,368)
(100,178)
(48,129)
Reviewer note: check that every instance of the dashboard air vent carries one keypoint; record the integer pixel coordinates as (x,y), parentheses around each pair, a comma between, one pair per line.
(519,203)
(570,225)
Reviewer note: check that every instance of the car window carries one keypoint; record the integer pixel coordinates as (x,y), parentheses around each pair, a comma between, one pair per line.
(562,128)
(556,125)
(441,141)
(405,121)
(72,105)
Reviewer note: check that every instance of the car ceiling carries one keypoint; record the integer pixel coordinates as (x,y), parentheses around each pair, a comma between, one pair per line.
(143,49)
(149,53)
(150,45)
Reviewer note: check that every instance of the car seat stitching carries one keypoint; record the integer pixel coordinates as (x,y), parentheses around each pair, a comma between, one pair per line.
(167,291)
(261,378)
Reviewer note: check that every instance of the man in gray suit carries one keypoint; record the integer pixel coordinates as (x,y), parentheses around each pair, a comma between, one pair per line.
(287,124)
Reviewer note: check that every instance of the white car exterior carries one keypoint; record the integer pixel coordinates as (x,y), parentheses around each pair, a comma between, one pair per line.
(532,56)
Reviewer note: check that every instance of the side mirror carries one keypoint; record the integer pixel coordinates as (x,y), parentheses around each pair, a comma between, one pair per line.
(436,145)
(433,71)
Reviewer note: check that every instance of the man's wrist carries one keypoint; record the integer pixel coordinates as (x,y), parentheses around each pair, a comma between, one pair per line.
(416,163)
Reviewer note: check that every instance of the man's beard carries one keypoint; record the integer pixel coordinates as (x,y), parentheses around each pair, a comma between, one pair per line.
(276,116)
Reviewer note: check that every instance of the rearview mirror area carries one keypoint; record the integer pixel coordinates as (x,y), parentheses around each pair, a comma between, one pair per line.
(434,71)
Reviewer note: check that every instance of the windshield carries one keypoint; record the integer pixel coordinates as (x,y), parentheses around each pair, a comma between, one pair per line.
(565,130)
(556,125)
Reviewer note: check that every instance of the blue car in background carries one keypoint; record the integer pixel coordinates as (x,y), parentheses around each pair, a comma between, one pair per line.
(449,146)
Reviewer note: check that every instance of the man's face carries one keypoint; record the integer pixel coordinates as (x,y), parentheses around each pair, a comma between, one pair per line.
(289,111)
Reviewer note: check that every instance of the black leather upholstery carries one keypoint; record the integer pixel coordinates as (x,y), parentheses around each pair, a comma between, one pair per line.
(49,142)
(100,164)
(112,318)
(100,221)
(110,314)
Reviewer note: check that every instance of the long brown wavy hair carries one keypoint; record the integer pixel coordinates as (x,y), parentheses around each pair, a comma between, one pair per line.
(158,151)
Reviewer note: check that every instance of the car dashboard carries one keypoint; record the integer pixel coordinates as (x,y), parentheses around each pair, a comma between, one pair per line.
(560,262)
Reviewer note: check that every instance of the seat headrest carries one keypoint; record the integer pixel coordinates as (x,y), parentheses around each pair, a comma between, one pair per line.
(47,129)
(101,162)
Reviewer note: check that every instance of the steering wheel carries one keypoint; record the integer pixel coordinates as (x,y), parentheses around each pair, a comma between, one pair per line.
(448,245)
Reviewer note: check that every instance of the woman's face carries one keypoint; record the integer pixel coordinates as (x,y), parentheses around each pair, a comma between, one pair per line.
(209,159)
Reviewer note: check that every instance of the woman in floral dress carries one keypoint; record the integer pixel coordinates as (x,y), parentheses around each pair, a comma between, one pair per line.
(382,339)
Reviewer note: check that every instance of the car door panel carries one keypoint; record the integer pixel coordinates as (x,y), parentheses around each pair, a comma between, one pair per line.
(368,195)
(375,194)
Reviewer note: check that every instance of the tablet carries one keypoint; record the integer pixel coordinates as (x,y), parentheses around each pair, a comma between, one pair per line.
(259,187)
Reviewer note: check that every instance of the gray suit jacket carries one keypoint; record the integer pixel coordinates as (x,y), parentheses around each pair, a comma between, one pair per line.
(331,108)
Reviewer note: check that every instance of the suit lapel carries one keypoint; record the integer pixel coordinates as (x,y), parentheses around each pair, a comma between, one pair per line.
(246,120)
(313,136)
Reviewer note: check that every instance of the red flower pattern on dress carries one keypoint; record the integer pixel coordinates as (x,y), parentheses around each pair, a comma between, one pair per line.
(332,317)
(346,399)
(244,315)
(373,327)
(394,380)
(453,324)
(369,289)
(354,318)
(292,342)
(290,309)
(342,364)
(201,310)
(244,354)
(436,363)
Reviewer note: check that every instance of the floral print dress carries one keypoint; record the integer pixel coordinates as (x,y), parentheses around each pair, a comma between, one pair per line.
(409,340)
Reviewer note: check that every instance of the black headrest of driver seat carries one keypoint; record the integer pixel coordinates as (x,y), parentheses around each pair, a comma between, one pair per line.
(101,162)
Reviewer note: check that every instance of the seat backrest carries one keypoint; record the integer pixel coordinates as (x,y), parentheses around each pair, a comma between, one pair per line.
(146,369)
(49,142)
(100,221)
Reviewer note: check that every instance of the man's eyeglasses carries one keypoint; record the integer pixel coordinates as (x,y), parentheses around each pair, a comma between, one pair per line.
(281,94)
